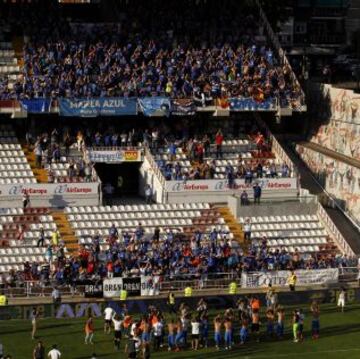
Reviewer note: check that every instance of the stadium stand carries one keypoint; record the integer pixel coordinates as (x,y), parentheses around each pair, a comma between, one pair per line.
(302,233)
(183,218)
(20,232)
(238,158)
(132,61)
(14,167)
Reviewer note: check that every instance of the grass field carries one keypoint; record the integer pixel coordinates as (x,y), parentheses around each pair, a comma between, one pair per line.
(339,338)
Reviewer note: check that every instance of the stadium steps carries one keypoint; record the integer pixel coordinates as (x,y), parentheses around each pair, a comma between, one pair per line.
(233,224)
(40,174)
(66,232)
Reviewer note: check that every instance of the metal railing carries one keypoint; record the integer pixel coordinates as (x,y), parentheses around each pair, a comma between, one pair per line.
(339,238)
(155,167)
(211,281)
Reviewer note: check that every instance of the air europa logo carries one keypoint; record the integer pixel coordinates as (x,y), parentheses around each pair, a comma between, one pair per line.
(64,188)
(60,189)
(221,185)
(15,190)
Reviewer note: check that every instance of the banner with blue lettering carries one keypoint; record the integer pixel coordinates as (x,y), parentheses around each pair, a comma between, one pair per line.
(36,105)
(155,106)
(249,104)
(102,106)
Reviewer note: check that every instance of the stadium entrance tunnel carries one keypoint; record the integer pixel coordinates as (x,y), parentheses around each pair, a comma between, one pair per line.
(119,179)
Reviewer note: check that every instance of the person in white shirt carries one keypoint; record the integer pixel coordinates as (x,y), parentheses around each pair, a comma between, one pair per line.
(247,229)
(157,331)
(148,194)
(195,333)
(132,329)
(117,331)
(341,299)
(54,353)
(108,313)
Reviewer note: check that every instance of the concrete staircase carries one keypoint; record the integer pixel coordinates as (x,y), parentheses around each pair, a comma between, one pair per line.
(66,232)
(234,226)
(40,173)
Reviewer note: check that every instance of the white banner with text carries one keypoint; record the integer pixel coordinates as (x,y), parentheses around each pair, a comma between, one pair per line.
(280,278)
(49,189)
(135,286)
(217,185)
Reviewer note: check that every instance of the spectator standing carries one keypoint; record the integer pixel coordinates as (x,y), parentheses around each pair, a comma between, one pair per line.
(219,138)
(55,295)
(171,302)
(244,198)
(88,172)
(257,193)
(26,200)
(148,194)
(292,281)
(247,229)
(38,154)
(41,238)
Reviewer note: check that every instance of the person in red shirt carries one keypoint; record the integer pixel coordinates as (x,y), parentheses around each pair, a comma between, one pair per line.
(260,141)
(219,138)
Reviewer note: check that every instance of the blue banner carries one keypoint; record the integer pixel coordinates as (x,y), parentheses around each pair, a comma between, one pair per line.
(94,107)
(249,104)
(155,106)
(36,105)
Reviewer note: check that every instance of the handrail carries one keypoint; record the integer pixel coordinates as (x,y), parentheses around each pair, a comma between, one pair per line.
(154,166)
(339,238)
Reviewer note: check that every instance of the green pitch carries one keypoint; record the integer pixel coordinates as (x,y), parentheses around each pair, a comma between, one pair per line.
(339,338)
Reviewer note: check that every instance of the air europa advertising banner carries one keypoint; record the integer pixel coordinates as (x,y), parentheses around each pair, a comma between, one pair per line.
(94,107)
(222,185)
(48,189)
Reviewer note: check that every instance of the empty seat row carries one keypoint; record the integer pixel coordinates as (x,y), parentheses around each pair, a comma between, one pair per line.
(10,146)
(289,233)
(7,53)
(280,219)
(20,180)
(133,215)
(137,208)
(286,226)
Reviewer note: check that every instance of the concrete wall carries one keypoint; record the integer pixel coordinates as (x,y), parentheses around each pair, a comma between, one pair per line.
(222,196)
(278,209)
(148,176)
(338,178)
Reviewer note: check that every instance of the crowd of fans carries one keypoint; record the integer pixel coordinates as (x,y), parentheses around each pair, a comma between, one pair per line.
(169,254)
(51,149)
(203,153)
(225,58)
